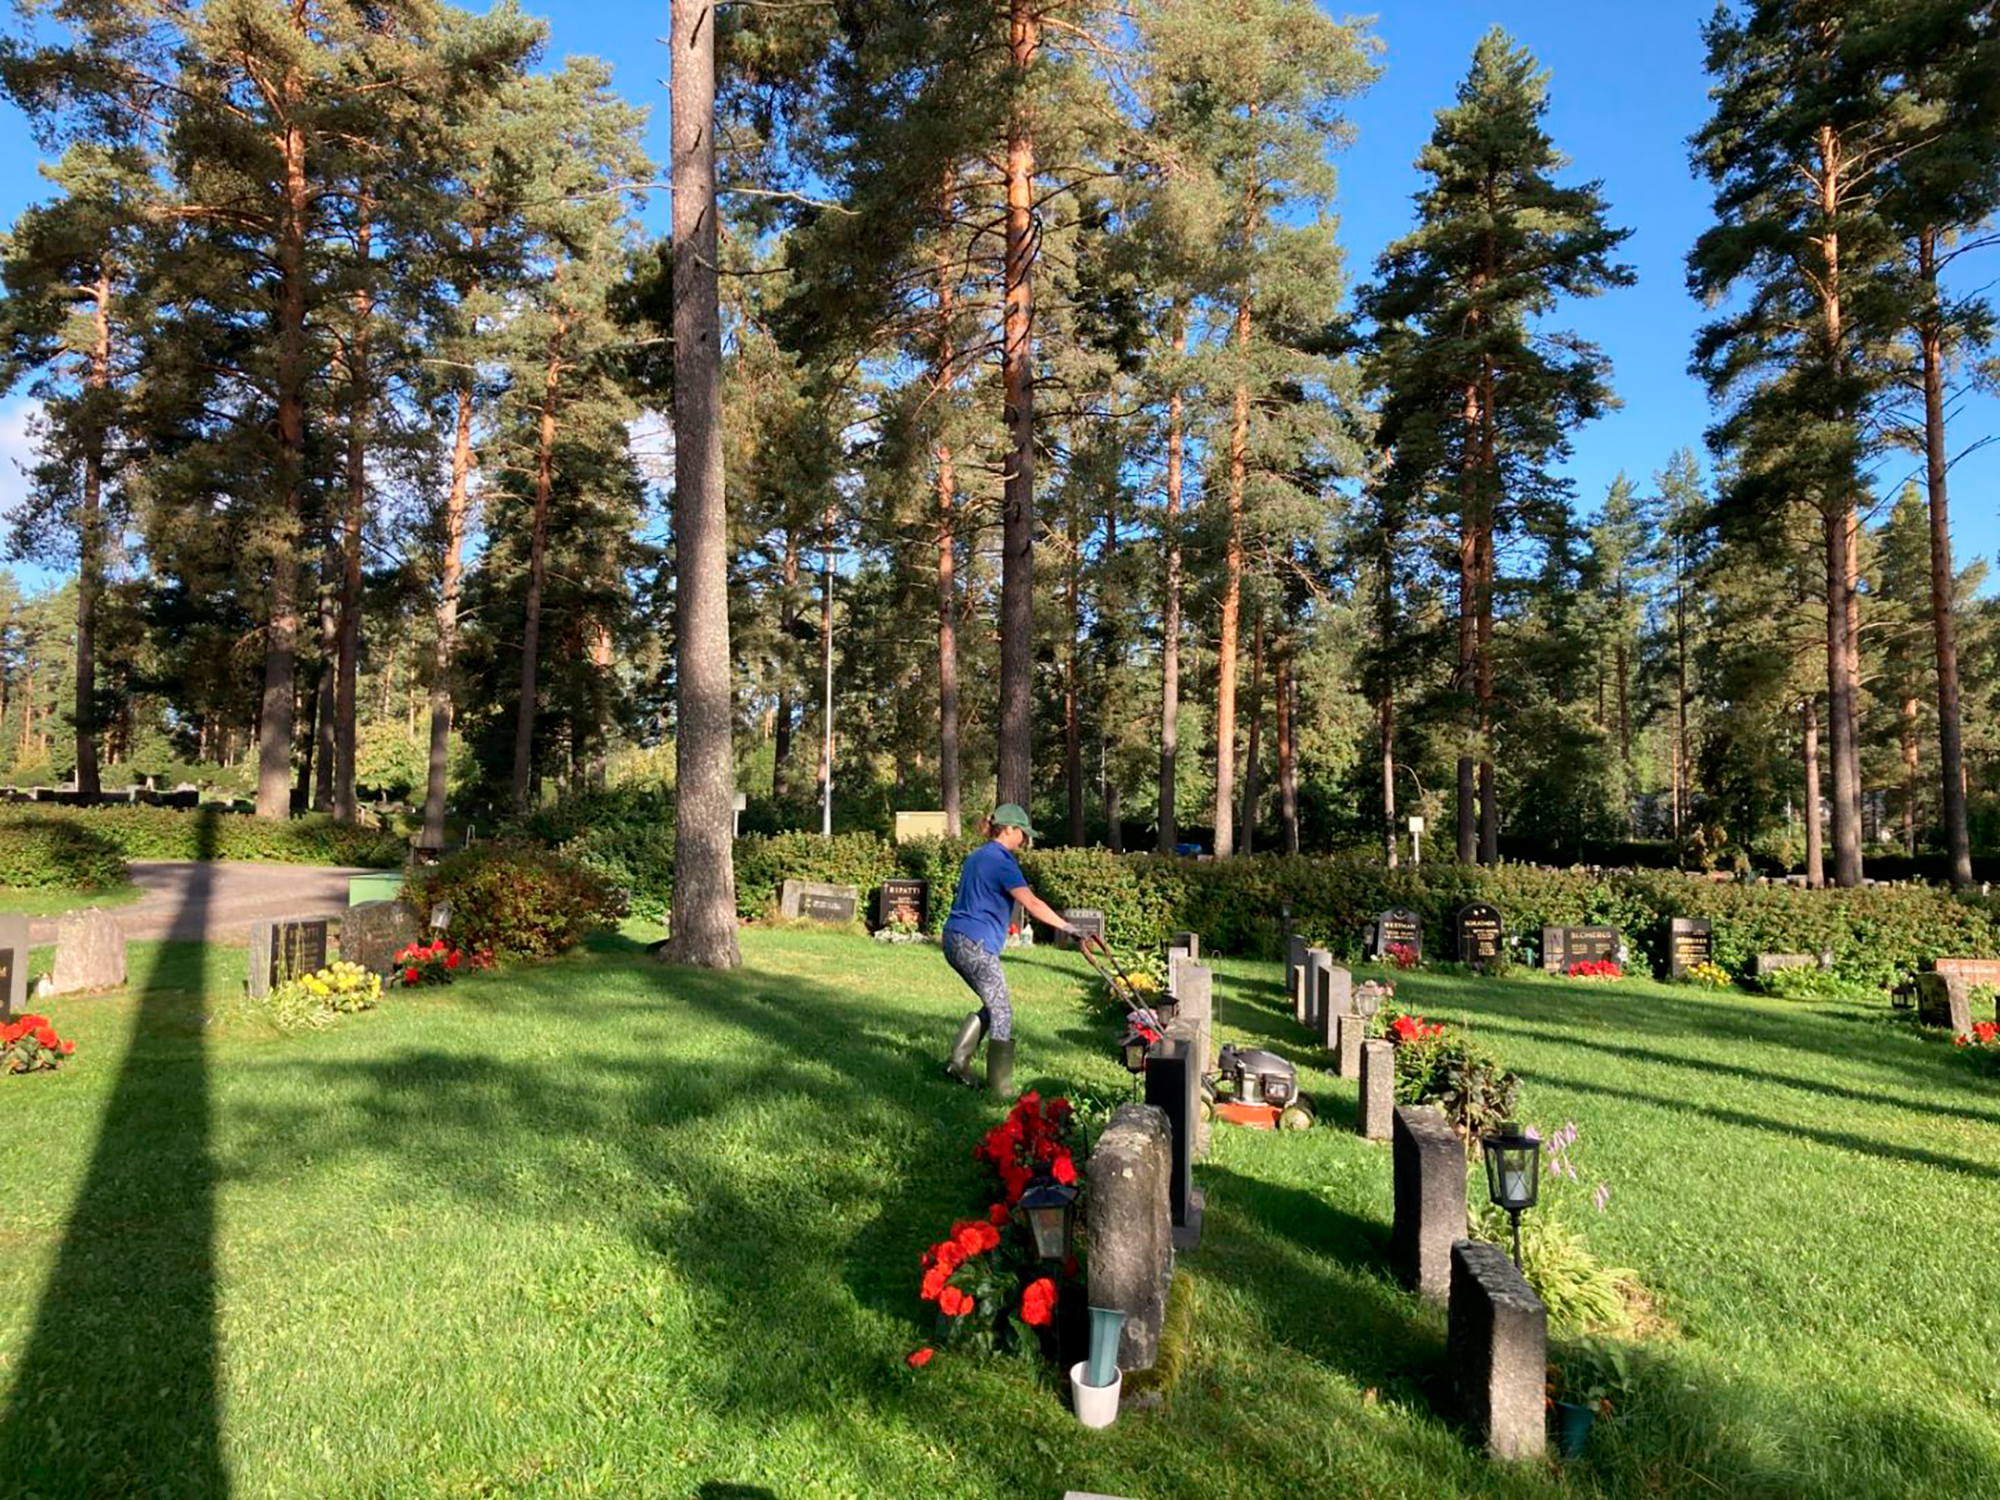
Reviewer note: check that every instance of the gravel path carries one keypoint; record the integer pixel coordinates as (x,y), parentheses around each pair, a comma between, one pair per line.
(216,900)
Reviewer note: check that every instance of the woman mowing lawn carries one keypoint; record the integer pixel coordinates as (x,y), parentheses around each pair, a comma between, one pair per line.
(989,883)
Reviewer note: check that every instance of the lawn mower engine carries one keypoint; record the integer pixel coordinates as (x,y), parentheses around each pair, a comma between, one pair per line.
(1253,1087)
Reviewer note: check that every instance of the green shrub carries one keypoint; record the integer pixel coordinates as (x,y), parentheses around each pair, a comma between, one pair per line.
(37,851)
(625,834)
(1582,1294)
(764,862)
(1462,1078)
(515,901)
(141,832)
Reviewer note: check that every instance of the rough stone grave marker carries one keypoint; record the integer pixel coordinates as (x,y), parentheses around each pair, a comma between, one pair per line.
(90,953)
(1428,1164)
(903,903)
(285,949)
(1398,927)
(1378,1089)
(1690,943)
(1130,1218)
(13,965)
(1481,935)
(1497,1348)
(817,902)
(374,932)
(1348,1032)
(1944,1000)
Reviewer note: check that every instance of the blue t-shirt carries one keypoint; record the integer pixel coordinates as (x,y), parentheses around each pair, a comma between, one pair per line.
(982,909)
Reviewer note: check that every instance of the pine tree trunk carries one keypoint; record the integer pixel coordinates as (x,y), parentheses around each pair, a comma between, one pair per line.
(438,772)
(1815,858)
(1232,597)
(1072,725)
(358,374)
(1843,674)
(90,539)
(1284,686)
(538,547)
(826,677)
(1489,795)
(787,710)
(1944,608)
(1907,712)
(1017,372)
(1468,641)
(704,914)
(1247,844)
(947,540)
(317,741)
(1683,778)
(1170,613)
(278,714)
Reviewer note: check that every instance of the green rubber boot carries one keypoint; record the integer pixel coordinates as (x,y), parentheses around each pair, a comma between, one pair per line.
(959,1065)
(1000,1067)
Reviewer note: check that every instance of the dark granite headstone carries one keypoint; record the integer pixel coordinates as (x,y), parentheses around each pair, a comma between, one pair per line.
(284,950)
(1690,942)
(1393,927)
(1563,947)
(1496,1348)
(903,903)
(816,902)
(1088,922)
(13,965)
(1481,935)
(1173,1085)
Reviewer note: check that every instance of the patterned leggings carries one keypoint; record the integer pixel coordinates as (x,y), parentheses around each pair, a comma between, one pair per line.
(981,971)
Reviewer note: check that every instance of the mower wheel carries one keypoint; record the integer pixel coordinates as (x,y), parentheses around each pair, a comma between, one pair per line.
(1297,1115)
(1207,1109)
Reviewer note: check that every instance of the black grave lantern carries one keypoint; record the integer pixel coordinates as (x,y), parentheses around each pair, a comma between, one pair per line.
(1513,1175)
(1136,1047)
(1048,1210)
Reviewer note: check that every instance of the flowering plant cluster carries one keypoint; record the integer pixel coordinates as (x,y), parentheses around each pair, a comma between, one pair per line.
(1596,968)
(1983,1034)
(1709,976)
(312,1001)
(1032,1139)
(1401,1027)
(435,963)
(1402,955)
(990,1290)
(30,1045)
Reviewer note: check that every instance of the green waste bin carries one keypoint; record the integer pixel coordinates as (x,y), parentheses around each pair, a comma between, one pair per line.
(362,888)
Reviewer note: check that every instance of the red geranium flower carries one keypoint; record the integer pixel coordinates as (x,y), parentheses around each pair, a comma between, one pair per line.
(954,1303)
(67,1048)
(46,1036)
(934,1280)
(410,976)
(950,1256)
(969,1238)
(452,959)
(997,1214)
(1064,1170)
(1038,1303)
(921,1357)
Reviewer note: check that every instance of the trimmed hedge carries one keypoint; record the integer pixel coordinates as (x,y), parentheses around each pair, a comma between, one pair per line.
(141,832)
(37,852)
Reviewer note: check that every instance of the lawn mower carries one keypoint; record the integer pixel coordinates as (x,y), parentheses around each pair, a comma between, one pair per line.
(1253,1087)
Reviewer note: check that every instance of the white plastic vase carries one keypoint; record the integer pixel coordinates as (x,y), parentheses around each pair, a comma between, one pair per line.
(1096,1405)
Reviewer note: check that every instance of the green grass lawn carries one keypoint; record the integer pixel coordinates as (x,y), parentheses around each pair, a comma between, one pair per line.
(601,1227)
(49,901)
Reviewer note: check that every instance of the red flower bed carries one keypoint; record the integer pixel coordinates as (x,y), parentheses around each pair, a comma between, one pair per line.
(30,1045)
(1402,955)
(1596,968)
(1410,1028)
(436,963)
(990,1289)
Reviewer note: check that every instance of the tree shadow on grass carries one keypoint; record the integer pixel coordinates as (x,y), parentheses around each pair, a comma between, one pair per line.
(116,1390)
(1839,1139)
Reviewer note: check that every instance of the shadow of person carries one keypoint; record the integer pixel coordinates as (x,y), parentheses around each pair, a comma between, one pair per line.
(115,1392)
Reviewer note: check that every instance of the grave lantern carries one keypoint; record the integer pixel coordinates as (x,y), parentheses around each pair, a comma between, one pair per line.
(1367,1000)
(1135,1045)
(1048,1209)
(1513,1175)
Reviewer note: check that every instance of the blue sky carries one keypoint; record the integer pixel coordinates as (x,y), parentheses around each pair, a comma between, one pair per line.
(1626,90)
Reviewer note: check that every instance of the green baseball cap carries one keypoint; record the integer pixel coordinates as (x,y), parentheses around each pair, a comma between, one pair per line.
(1011,815)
